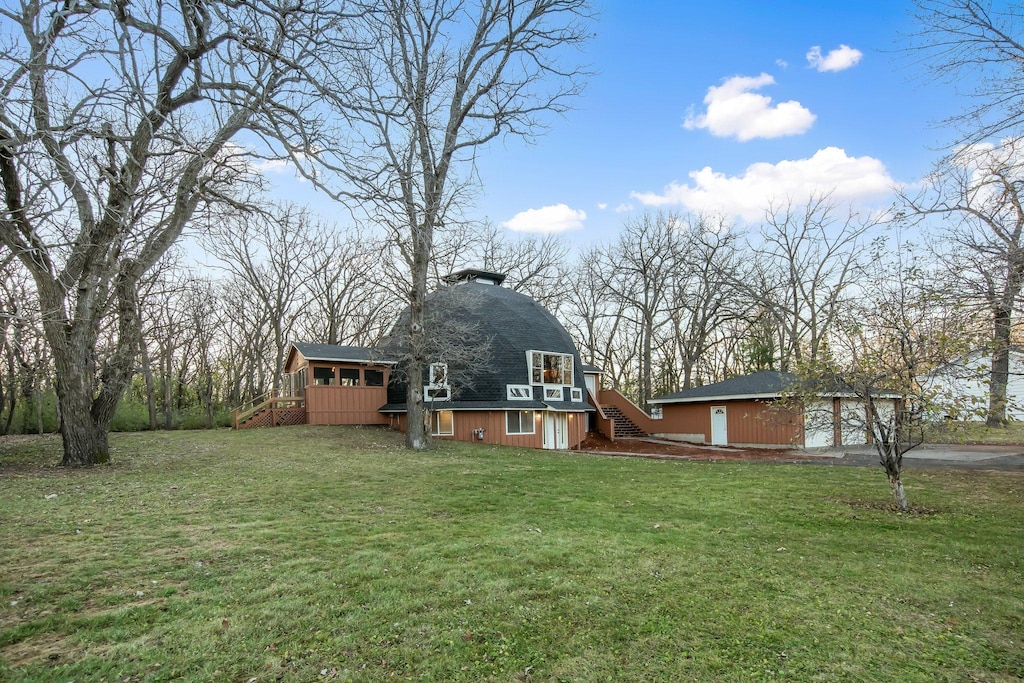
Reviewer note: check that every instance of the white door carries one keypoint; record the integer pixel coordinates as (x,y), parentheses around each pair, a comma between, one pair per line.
(591,384)
(719,430)
(556,431)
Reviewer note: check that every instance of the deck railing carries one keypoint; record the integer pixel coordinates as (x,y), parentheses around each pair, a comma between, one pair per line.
(278,406)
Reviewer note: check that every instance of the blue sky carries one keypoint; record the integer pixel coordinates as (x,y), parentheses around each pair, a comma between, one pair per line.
(718,106)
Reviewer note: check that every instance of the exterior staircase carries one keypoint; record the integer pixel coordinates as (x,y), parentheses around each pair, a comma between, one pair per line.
(270,411)
(624,427)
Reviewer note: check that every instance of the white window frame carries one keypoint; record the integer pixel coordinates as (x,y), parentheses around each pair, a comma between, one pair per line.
(566,358)
(435,423)
(553,392)
(443,394)
(521,414)
(518,392)
(577,395)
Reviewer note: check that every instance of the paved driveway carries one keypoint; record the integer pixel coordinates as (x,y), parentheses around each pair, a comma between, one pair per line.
(1005,458)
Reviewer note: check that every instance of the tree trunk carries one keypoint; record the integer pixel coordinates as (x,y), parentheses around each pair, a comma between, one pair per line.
(1000,370)
(147,375)
(417,436)
(898,494)
(85,439)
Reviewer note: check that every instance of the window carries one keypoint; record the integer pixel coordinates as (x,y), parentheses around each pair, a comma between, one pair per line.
(553,394)
(519,422)
(373,378)
(577,395)
(436,393)
(349,377)
(442,423)
(323,376)
(518,392)
(550,368)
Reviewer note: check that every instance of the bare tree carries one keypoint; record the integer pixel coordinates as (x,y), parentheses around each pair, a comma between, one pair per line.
(115,122)
(346,300)
(639,270)
(430,83)
(267,250)
(885,346)
(979,193)
(804,264)
(978,44)
(705,292)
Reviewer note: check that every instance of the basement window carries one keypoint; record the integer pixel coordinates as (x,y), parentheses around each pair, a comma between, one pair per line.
(519,422)
(442,423)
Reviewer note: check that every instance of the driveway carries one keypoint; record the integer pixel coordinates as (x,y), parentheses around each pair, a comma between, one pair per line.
(1003,458)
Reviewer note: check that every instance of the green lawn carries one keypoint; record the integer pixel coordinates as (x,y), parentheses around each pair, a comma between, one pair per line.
(305,554)
(975,433)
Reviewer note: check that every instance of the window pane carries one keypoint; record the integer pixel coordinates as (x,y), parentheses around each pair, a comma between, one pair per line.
(567,370)
(323,375)
(511,423)
(349,377)
(552,368)
(445,423)
(373,378)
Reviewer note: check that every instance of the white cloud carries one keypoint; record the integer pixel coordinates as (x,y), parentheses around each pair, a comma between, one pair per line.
(782,63)
(556,218)
(734,110)
(602,206)
(843,57)
(829,171)
(624,208)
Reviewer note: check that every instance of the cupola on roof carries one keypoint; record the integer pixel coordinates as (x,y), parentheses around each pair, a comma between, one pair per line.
(475,275)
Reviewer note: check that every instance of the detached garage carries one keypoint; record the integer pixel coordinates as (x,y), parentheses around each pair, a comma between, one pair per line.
(748,411)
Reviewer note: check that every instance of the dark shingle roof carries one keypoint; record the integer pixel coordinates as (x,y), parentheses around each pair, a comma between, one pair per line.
(511,324)
(341,354)
(763,384)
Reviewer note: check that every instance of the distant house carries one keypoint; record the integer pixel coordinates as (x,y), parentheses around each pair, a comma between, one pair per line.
(530,389)
(747,411)
(963,386)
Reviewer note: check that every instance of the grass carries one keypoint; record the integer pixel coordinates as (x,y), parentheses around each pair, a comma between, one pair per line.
(304,554)
(975,433)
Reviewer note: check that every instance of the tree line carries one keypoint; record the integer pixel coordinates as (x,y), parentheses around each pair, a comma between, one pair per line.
(128,130)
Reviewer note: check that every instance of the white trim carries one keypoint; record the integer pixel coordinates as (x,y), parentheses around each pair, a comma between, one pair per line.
(533,422)
(553,392)
(572,367)
(444,395)
(437,414)
(518,392)
(576,394)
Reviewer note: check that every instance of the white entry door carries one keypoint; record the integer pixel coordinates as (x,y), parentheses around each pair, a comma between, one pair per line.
(719,429)
(556,431)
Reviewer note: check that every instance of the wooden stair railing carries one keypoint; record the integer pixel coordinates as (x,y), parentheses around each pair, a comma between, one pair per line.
(268,410)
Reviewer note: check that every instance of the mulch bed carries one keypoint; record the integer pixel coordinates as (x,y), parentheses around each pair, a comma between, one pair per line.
(596,443)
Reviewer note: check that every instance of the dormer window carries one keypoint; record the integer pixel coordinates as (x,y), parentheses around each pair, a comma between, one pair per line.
(550,368)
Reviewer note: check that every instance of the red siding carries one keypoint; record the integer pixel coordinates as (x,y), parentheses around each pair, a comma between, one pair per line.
(747,422)
(334,405)
(493,424)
